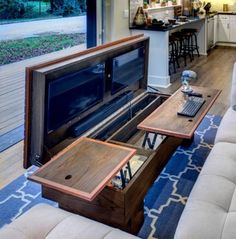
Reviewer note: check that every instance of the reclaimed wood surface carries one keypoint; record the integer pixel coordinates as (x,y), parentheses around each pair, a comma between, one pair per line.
(83,168)
(164,120)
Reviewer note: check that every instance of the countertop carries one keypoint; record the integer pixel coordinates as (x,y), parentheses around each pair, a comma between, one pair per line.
(179,24)
(168,27)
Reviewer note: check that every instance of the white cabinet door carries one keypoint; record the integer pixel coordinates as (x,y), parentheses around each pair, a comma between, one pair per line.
(215,29)
(223,28)
(232,27)
(210,33)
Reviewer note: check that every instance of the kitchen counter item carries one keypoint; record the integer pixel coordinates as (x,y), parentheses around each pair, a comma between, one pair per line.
(207,7)
(182,18)
(225,7)
(168,27)
(156,22)
(140,18)
(172,21)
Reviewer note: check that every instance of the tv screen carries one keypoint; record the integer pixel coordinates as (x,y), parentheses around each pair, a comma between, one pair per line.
(127,69)
(72,94)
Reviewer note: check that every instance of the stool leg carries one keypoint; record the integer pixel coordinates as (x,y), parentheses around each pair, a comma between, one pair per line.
(189,48)
(195,36)
(176,54)
(192,47)
(184,51)
(173,56)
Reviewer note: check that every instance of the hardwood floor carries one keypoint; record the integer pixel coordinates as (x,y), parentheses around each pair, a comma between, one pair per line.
(214,70)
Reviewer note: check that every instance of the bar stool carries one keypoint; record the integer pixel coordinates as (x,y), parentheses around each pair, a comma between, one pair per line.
(193,39)
(183,45)
(173,53)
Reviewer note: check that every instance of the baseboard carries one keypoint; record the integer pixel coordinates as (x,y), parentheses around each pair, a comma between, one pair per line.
(231,44)
(159,81)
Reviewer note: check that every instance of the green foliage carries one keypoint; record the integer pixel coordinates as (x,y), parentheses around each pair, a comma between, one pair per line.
(68,7)
(15,9)
(16,50)
(11,9)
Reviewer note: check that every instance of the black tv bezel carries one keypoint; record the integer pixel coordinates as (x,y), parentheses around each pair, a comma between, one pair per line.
(113,92)
(48,131)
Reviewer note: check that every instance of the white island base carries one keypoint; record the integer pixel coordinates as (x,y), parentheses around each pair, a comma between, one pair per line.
(158,69)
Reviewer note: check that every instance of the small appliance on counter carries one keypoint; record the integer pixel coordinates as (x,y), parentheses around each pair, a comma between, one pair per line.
(207,7)
(225,7)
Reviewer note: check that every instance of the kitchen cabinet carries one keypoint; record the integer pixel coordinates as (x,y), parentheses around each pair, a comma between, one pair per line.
(223,28)
(232,28)
(210,32)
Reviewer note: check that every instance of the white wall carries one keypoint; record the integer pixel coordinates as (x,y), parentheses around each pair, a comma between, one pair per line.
(119,23)
(217,5)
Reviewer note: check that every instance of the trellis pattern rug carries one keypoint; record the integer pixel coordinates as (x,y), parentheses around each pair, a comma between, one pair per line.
(164,202)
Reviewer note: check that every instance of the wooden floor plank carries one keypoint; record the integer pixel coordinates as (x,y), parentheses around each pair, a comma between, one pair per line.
(9,164)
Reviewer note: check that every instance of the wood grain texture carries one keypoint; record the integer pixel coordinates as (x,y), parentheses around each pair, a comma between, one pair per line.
(164,120)
(84,168)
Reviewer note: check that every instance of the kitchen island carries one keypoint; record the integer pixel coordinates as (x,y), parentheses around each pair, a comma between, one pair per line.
(158,70)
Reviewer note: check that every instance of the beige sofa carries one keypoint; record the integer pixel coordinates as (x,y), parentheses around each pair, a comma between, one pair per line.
(210,212)
(46,222)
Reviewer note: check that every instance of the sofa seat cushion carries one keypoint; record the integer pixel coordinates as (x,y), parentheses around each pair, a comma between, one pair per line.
(227,129)
(211,208)
(46,222)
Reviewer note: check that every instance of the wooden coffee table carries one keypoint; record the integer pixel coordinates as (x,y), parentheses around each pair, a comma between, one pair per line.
(78,177)
(164,120)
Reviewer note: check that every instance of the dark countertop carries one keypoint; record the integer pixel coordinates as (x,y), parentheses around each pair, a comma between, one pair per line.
(168,27)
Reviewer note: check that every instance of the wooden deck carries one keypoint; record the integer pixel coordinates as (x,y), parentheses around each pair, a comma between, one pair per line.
(214,71)
(12,88)
(12,97)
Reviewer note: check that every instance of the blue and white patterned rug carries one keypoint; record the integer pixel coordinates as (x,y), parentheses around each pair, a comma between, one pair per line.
(164,202)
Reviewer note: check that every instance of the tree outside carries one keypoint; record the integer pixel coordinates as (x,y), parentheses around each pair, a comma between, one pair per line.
(30,16)
(28,9)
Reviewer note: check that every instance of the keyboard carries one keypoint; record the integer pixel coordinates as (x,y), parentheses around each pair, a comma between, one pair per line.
(191,106)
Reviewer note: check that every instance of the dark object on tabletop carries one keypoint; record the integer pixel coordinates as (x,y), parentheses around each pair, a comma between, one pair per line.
(172,21)
(182,18)
(157,22)
(207,7)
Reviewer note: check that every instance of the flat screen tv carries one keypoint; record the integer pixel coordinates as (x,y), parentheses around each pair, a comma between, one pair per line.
(72,94)
(127,69)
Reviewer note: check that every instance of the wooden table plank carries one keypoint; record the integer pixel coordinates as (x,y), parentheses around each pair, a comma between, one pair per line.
(164,120)
(84,168)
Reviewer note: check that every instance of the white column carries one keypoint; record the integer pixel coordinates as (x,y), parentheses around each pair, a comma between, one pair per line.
(158,69)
